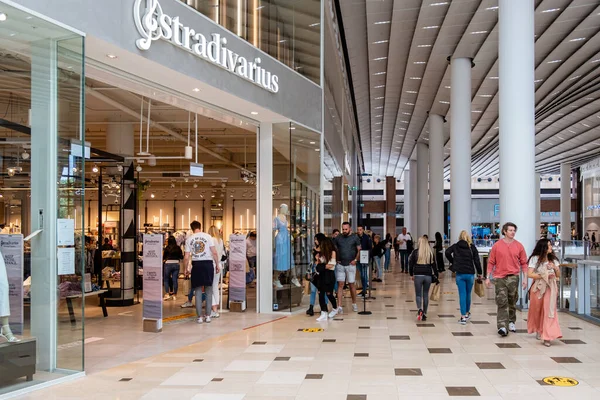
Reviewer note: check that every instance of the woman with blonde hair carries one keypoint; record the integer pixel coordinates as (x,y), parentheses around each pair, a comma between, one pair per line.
(422,270)
(213,231)
(464,261)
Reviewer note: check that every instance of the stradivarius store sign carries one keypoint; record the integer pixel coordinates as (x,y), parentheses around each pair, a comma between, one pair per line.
(153,24)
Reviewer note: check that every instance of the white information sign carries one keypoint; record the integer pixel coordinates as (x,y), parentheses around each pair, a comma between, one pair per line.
(11,247)
(65,260)
(65,232)
(364,256)
(153,277)
(237,267)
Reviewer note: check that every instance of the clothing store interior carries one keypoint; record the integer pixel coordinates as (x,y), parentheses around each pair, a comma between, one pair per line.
(154,162)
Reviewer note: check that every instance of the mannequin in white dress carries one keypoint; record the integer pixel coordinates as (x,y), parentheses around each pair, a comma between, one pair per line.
(5,332)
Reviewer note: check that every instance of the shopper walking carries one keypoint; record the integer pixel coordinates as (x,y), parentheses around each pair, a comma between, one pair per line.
(542,318)
(403,240)
(365,244)
(216,294)
(438,247)
(201,259)
(464,261)
(312,271)
(388,251)
(348,248)
(377,253)
(507,260)
(172,256)
(325,276)
(422,269)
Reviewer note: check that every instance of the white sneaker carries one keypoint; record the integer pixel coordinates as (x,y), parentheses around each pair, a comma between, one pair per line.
(277,284)
(323,316)
(167,297)
(295,282)
(199,320)
(354,308)
(214,314)
(340,310)
(333,313)
(173,298)
(187,304)
(512,327)
(207,319)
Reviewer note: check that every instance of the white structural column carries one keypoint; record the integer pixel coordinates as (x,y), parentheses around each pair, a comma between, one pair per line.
(565,201)
(407,203)
(517,125)
(460,147)
(411,226)
(44,164)
(422,184)
(264,217)
(436,174)
(538,206)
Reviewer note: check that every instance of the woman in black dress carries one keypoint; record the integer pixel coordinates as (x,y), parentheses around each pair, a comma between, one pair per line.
(439,252)
(325,276)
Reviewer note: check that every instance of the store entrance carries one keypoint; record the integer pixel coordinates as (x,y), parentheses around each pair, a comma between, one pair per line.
(160,163)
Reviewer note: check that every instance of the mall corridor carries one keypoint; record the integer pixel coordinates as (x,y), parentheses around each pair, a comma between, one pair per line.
(387,355)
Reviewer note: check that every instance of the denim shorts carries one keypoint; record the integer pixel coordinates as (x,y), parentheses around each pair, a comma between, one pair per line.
(345,273)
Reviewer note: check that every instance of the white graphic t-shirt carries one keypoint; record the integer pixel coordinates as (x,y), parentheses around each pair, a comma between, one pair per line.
(198,245)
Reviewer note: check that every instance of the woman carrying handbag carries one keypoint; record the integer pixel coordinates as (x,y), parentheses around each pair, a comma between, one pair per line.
(464,261)
(422,269)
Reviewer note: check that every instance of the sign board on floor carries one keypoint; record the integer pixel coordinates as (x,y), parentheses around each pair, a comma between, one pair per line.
(237,267)
(11,247)
(153,282)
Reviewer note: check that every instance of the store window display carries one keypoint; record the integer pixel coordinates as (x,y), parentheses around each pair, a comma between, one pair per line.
(282,260)
(5,331)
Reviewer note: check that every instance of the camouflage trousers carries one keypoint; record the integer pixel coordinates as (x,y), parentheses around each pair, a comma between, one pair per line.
(507,295)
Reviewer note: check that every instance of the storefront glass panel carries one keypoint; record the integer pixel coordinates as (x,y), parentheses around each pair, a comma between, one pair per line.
(42,273)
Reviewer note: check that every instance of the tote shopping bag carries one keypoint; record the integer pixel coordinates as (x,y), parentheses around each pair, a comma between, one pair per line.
(479,288)
(435,293)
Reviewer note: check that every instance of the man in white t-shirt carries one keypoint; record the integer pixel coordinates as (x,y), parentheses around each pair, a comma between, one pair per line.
(200,248)
(403,239)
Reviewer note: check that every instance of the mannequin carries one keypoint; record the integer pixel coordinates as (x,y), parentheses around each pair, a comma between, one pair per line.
(282,260)
(5,331)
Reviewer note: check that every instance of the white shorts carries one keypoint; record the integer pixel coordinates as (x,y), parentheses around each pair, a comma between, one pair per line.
(345,273)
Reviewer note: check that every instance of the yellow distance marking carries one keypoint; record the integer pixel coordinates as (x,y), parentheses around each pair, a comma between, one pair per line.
(178,317)
(560,381)
(312,330)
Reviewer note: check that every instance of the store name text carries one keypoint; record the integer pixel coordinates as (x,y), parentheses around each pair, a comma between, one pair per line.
(153,24)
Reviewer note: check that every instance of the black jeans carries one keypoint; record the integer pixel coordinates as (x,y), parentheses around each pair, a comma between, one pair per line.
(323,303)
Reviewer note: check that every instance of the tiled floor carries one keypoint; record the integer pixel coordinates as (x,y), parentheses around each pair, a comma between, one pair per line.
(386,355)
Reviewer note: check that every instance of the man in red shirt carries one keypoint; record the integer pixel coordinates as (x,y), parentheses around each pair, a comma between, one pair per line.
(507,260)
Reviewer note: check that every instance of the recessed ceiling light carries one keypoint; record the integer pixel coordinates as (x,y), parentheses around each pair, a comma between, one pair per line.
(377,123)
(579,39)
(443,3)
(12,34)
(416,78)
(448,87)
(380,73)
(420,62)
(424,45)
(379,98)
(538,80)
(382,22)
(111,56)
(486,95)
(402,129)
(3,17)
(405,122)
(551,10)
(411,91)
(253,113)
(476,111)
(575,77)
(380,58)
(378,116)
(410,104)
(315,24)
(444,102)
(379,108)
(586,125)
(554,61)
(405,113)
(493,77)
(595,61)
(492,8)
(478,32)
(311,142)
(317,149)
(381,41)
(431,27)
(379,86)
(196,90)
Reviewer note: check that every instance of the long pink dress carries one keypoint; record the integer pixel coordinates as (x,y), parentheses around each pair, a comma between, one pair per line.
(541,317)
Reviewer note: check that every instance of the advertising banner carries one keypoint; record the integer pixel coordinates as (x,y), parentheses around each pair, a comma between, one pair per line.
(153,277)
(237,267)
(11,247)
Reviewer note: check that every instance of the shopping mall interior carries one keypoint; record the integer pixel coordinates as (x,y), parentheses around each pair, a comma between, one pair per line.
(272,122)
